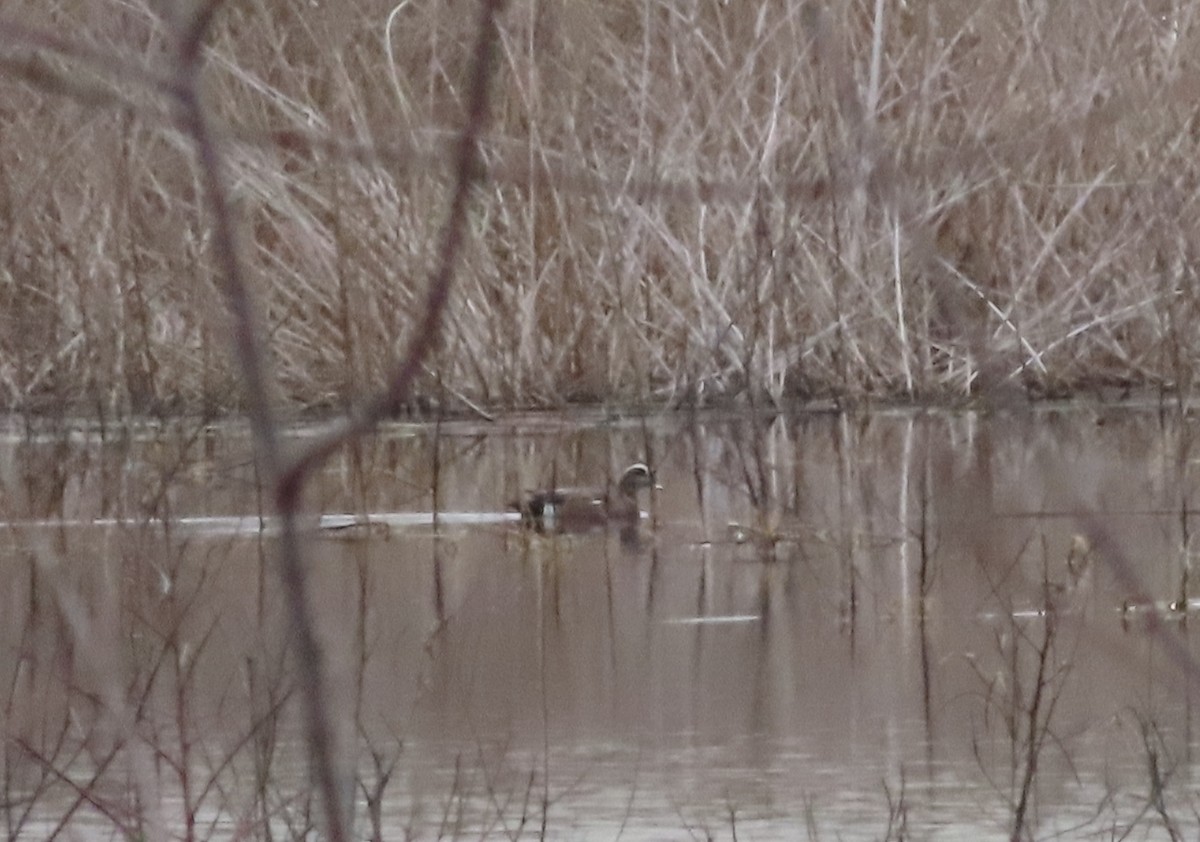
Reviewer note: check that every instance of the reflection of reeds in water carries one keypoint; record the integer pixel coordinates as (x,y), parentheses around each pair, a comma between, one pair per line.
(698,601)
(1038,645)
(1025,691)
(1017,257)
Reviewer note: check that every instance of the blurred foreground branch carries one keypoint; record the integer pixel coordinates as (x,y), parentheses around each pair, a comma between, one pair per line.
(287,480)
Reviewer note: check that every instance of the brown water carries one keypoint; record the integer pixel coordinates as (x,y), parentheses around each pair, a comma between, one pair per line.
(775,680)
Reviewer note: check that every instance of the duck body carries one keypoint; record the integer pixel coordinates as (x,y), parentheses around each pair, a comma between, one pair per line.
(569,509)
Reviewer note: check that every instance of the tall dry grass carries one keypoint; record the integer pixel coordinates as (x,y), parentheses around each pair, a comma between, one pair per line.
(183,32)
(678,204)
(683,203)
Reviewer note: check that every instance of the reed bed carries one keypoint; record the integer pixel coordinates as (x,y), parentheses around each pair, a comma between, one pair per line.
(215,208)
(688,204)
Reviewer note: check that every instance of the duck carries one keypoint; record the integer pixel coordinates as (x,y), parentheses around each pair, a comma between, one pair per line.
(567,509)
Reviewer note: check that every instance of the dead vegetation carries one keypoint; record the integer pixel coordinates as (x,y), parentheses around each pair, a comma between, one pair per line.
(681,204)
(671,205)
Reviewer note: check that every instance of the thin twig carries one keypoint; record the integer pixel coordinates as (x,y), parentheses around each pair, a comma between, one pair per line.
(250,358)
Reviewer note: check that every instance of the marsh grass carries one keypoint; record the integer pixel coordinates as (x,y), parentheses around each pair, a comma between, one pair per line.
(671,206)
(681,205)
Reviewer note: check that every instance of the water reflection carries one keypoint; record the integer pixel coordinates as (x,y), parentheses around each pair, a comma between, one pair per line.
(855,627)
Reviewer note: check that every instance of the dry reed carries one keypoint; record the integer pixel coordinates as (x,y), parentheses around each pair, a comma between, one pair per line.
(681,205)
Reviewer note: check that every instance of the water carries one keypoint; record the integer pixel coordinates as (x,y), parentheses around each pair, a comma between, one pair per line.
(752,660)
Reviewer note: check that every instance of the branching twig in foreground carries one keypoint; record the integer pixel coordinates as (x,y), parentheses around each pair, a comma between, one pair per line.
(250,359)
(288,482)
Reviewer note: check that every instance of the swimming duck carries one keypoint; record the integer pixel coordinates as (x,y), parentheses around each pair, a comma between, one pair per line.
(579,508)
